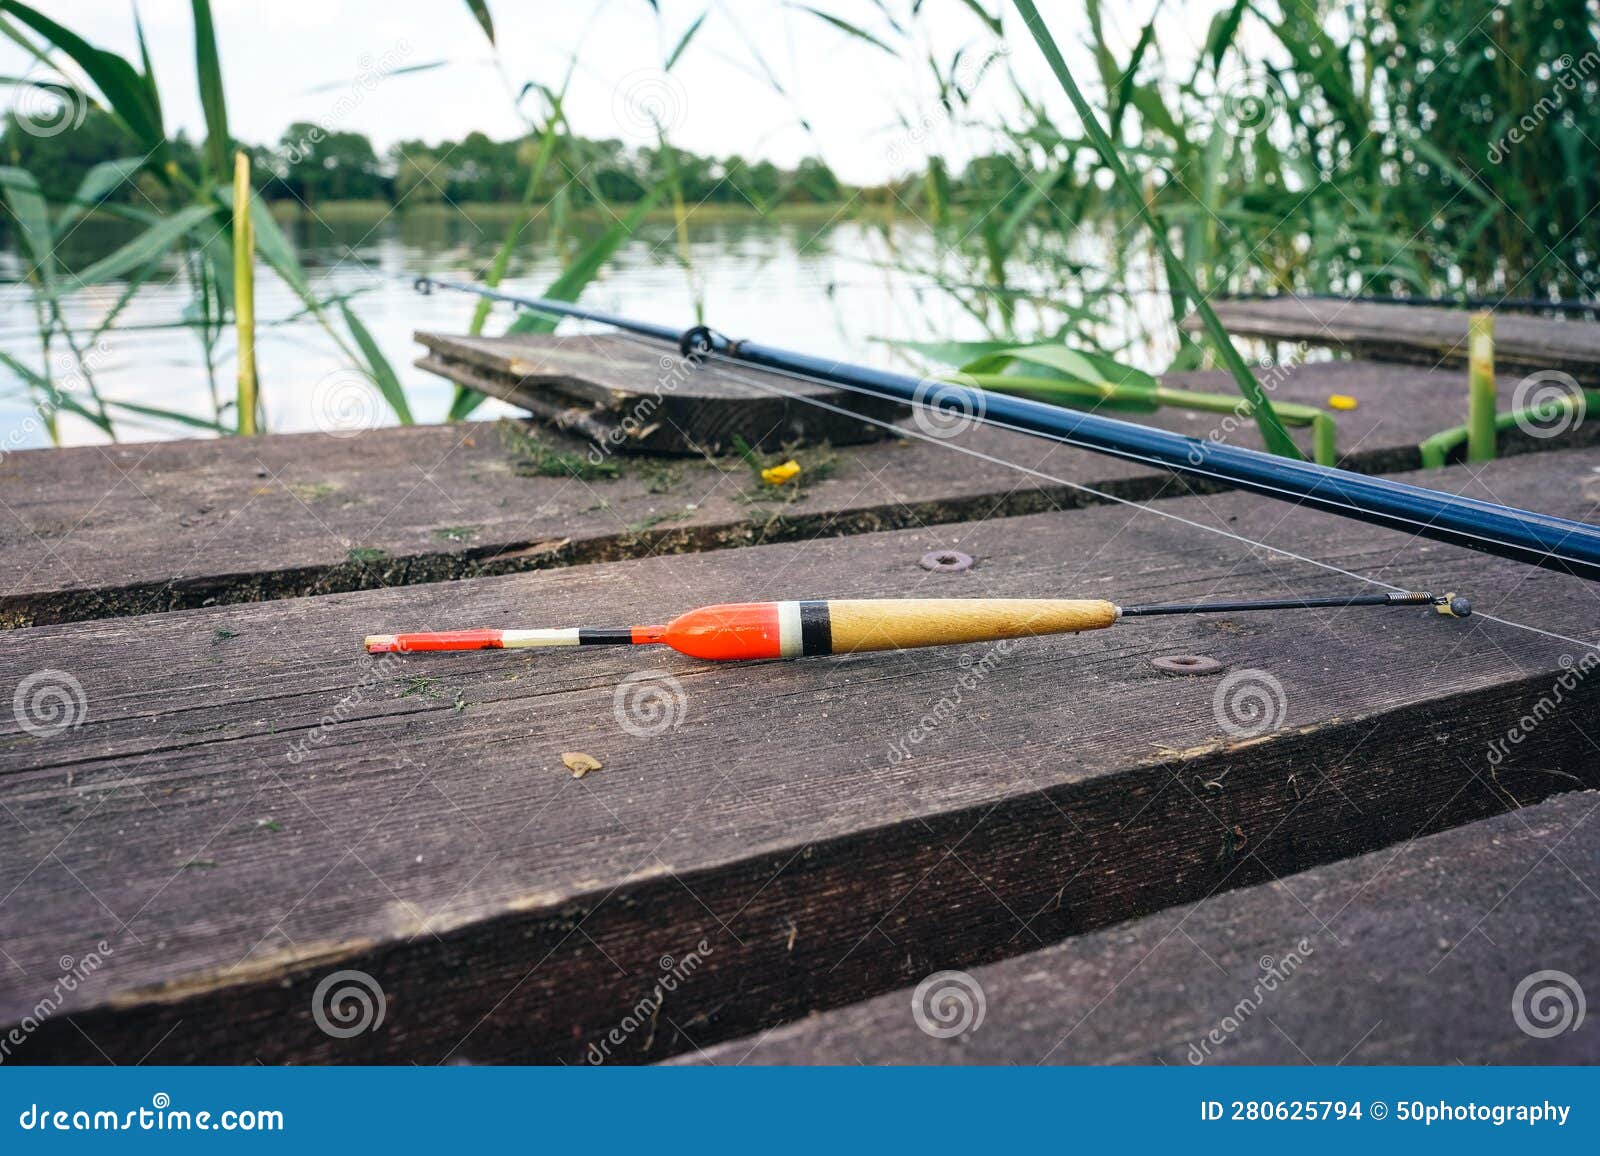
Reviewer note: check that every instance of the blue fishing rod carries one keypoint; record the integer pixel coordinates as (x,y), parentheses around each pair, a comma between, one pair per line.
(1505,531)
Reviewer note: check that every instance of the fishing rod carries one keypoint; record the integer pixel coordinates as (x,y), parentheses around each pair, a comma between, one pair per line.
(751,630)
(1510,304)
(1505,531)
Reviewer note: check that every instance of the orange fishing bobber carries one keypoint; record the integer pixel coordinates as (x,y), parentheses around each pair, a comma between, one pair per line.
(748,630)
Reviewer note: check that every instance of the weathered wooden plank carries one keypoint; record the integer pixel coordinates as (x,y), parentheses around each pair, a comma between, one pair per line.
(248,803)
(97,532)
(1417,334)
(627,394)
(1410,955)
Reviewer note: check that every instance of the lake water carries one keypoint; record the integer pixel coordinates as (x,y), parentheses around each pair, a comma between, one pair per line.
(839,287)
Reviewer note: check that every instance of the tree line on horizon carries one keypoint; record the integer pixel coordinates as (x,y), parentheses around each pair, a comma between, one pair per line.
(313,165)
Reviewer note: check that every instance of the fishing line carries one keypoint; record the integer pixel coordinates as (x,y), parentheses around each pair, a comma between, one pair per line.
(1104,495)
(742,354)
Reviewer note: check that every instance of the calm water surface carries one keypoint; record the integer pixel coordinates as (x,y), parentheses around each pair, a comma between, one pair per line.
(817,285)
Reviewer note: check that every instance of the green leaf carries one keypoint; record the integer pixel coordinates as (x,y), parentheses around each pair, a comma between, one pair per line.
(146,247)
(1272,432)
(209,69)
(344,85)
(274,247)
(955,353)
(480,12)
(1223,29)
(55,399)
(97,184)
(586,266)
(382,373)
(991,22)
(170,415)
(567,287)
(29,375)
(844,26)
(26,202)
(129,94)
(1082,366)
(683,41)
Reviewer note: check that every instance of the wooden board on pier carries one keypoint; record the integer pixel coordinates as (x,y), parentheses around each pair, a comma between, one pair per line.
(240,803)
(1418,954)
(1418,334)
(98,532)
(641,397)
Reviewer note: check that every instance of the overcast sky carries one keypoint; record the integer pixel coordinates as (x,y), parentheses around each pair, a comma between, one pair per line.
(716,99)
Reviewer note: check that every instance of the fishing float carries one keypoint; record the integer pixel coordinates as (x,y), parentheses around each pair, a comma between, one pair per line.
(755,630)
(1506,531)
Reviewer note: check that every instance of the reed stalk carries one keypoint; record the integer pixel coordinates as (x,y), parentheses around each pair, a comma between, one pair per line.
(244,292)
(1480,388)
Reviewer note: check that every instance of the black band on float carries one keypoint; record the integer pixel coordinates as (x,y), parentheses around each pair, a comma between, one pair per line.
(816,629)
(604,636)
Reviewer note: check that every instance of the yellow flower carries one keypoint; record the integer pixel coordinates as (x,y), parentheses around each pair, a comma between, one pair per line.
(1341,401)
(777,475)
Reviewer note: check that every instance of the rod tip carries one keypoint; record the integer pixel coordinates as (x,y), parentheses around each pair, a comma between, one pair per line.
(382,643)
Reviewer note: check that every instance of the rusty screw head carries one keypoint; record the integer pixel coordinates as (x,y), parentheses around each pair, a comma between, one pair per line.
(1186,664)
(948,561)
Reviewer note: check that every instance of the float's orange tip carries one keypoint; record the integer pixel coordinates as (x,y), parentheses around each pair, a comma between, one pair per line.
(382,643)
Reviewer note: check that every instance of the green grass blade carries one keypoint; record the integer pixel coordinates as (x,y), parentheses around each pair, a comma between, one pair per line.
(146,247)
(97,184)
(171,415)
(844,26)
(1272,431)
(683,41)
(382,373)
(208,68)
(274,247)
(567,287)
(124,88)
(480,13)
(26,203)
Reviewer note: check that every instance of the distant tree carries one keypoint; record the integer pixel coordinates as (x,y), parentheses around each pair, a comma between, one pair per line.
(58,162)
(416,174)
(317,165)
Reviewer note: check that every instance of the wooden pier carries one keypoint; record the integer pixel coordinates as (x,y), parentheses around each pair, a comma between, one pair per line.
(240,803)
